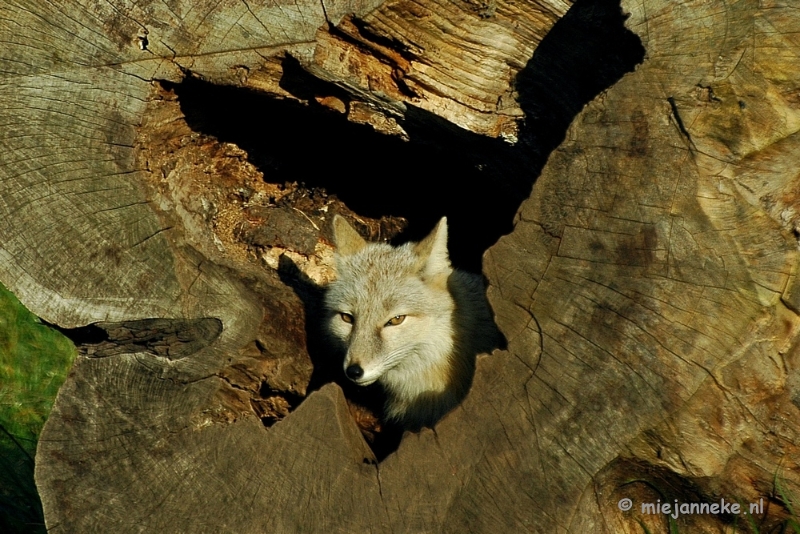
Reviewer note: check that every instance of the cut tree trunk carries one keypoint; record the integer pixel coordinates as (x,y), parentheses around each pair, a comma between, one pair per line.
(647,292)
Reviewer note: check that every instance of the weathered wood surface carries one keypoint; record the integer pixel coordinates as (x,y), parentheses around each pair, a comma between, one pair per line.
(647,291)
(655,264)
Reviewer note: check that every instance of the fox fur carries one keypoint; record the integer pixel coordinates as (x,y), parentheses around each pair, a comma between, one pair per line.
(406,319)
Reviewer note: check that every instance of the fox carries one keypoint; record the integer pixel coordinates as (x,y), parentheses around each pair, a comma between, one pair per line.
(405,318)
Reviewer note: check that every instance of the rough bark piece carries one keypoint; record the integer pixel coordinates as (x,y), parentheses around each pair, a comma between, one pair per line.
(457,60)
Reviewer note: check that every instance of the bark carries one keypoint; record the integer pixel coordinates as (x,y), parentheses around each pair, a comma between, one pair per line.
(647,291)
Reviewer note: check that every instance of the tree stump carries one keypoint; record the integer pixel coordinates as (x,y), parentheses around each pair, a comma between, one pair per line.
(165,193)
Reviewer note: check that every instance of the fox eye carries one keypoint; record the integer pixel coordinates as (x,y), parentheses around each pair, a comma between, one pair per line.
(396,320)
(346,317)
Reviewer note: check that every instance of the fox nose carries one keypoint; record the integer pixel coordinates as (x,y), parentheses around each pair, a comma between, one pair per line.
(354,372)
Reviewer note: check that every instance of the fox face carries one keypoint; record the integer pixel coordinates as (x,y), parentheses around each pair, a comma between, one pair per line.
(390,308)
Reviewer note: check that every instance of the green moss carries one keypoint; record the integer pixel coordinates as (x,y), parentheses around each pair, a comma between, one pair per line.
(34,361)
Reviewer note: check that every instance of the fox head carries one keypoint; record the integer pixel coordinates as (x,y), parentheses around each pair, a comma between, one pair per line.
(390,306)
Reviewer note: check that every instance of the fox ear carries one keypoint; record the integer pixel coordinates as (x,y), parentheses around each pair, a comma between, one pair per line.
(347,240)
(432,252)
